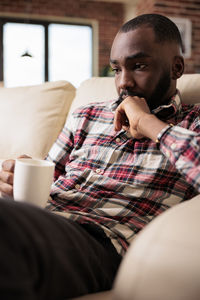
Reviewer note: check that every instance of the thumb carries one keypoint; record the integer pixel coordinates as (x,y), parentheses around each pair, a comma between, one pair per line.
(24,156)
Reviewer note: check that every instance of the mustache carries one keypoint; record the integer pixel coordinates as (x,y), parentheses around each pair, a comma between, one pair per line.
(127,93)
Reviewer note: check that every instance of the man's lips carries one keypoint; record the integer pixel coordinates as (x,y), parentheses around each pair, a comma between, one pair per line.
(125,94)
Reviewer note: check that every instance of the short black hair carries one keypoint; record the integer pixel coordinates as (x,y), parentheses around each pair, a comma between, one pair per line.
(164,28)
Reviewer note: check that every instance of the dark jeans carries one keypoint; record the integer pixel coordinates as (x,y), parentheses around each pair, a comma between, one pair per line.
(45,256)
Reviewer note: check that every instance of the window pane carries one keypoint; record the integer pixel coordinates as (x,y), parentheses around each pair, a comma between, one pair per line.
(18,39)
(70,53)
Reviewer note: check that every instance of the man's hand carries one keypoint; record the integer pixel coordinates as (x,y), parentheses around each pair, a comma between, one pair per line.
(7,175)
(129,113)
(133,114)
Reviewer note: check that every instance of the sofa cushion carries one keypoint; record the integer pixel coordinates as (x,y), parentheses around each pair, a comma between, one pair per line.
(31,117)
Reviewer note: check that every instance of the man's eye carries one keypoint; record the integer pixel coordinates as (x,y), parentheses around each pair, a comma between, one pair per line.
(140,66)
(115,70)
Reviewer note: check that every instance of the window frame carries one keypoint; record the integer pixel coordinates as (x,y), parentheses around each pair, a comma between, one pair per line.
(46,21)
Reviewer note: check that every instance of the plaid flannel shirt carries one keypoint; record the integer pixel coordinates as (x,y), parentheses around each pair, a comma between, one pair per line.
(118,182)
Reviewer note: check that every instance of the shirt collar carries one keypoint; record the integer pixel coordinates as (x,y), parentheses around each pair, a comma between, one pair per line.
(162,111)
(171,109)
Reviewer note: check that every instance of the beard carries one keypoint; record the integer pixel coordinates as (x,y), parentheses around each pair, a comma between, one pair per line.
(158,96)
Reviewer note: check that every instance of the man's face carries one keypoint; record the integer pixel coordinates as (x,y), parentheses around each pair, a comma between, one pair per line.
(143,66)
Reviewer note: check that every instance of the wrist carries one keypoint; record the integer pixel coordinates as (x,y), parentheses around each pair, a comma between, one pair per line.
(143,122)
(150,126)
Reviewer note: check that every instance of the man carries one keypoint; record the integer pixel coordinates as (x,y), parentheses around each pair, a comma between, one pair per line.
(119,164)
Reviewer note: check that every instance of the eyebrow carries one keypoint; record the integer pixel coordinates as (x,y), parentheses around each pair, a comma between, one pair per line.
(133,56)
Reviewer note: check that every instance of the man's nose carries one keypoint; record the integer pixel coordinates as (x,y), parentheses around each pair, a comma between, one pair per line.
(126,80)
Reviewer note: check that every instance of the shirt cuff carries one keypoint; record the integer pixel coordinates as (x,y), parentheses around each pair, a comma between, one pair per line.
(175,142)
(164,130)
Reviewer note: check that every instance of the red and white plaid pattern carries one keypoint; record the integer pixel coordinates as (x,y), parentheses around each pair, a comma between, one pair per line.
(118,182)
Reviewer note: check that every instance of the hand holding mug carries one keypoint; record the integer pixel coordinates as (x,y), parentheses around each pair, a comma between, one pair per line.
(6,178)
(27,179)
(32,180)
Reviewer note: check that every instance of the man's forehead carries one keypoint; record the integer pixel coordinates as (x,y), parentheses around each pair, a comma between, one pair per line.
(140,41)
(140,34)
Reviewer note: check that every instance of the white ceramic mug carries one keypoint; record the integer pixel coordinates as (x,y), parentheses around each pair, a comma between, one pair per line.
(32,180)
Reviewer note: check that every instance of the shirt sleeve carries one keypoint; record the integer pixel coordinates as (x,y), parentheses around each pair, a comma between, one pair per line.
(61,149)
(182,147)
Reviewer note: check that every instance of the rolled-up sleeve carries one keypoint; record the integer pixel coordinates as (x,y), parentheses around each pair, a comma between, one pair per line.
(182,147)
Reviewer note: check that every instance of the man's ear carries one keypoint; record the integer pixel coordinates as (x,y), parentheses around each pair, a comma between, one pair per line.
(177,67)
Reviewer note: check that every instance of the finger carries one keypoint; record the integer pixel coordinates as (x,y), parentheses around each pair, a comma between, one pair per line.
(120,120)
(24,156)
(117,121)
(8,165)
(126,128)
(7,177)
(6,189)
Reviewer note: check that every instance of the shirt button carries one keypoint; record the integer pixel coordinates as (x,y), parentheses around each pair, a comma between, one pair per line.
(77,186)
(173,146)
(98,171)
(118,140)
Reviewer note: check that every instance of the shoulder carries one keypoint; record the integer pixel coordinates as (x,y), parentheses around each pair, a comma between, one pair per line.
(189,116)
(192,109)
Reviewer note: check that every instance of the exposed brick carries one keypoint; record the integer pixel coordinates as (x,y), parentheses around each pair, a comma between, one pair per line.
(109,16)
(179,8)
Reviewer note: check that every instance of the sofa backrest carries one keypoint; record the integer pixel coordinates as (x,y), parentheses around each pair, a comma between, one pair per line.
(31,117)
(103,88)
(189,86)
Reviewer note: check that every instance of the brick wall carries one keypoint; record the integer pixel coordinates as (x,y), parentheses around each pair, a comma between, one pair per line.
(179,8)
(109,16)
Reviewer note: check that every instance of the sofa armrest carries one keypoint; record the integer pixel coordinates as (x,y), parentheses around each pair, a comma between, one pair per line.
(163,262)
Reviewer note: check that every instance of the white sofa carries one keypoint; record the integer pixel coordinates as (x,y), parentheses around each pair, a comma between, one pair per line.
(163,262)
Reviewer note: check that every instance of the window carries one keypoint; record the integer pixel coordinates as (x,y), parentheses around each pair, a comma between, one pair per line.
(20,41)
(70,52)
(35,52)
